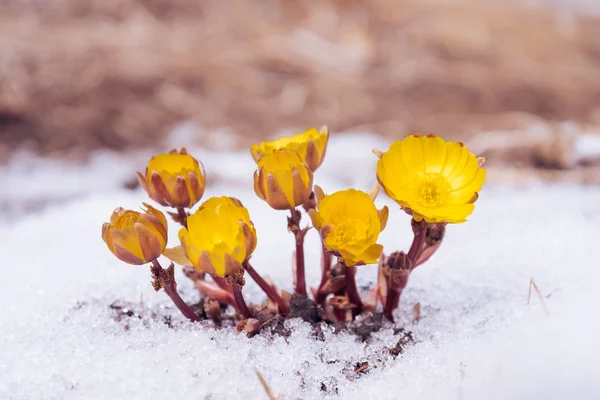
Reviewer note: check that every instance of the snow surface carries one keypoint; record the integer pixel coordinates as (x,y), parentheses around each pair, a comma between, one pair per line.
(477,338)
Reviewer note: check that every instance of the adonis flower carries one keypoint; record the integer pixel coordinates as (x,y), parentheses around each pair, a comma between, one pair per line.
(435,180)
(219,238)
(349,224)
(136,238)
(310,145)
(174,179)
(283,180)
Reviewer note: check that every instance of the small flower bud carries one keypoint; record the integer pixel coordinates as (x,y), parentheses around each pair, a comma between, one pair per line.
(136,238)
(220,236)
(175,179)
(435,234)
(338,270)
(283,180)
(399,260)
(310,145)
(397,268)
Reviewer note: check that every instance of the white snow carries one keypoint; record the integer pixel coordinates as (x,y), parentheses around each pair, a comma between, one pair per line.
(477,339)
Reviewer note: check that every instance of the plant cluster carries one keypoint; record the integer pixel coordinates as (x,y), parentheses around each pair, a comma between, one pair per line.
(435,181)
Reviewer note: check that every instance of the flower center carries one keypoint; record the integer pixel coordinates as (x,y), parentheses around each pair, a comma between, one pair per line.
(432,190)
(350,232)
(127,220)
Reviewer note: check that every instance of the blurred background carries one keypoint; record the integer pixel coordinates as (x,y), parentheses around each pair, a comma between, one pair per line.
(519,81)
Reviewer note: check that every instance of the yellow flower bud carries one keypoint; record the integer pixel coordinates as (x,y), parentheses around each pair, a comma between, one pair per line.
(349,224)
(174,179)
(310,145)
(283,180)
(434,180)
(136,238)
(220,236)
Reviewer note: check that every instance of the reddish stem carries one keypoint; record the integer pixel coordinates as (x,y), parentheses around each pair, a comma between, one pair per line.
(268,289)
(326,258)
(391,302)
(352,290)
(181,305)
(393,293)
(239,300)
(299,234)
(167,282)
(221,283)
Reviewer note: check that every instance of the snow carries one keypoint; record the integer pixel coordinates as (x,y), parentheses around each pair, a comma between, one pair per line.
(477,338)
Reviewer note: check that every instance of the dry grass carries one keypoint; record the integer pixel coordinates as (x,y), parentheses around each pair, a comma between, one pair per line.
(83,74)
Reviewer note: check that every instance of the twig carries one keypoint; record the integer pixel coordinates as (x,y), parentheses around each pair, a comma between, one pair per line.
(539,295)
(265,385)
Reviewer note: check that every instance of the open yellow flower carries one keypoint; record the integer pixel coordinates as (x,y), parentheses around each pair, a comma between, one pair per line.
(136,238)
(435,180)
(349,224)
(174,179)
(311,145)
(283,180)
(219,238)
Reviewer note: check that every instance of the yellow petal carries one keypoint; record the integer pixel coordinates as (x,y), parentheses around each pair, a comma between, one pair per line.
(435,153)
(383,215)
(315,218)
(412,153)
(178,256)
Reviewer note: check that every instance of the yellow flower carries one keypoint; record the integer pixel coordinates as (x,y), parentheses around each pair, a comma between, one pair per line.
(349,224)
(310,145)
(437,181)
(174,179)
(220,236)
(283,180)
(136,238)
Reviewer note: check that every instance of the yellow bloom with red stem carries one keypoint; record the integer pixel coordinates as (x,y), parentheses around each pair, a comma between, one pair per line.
(349,224)
(174,179)
(434,180)
(311,146)
(283,180)
(220,236)
(134,237)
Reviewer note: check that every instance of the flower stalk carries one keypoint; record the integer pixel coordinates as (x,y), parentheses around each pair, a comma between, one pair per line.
(165,279)
(269,290)
(427,239)
(239,300)
(299,234)
(352,290)
(326,258)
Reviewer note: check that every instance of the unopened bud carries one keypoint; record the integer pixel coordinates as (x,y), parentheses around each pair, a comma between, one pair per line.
(338,270)
(435,234)
(399,260)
